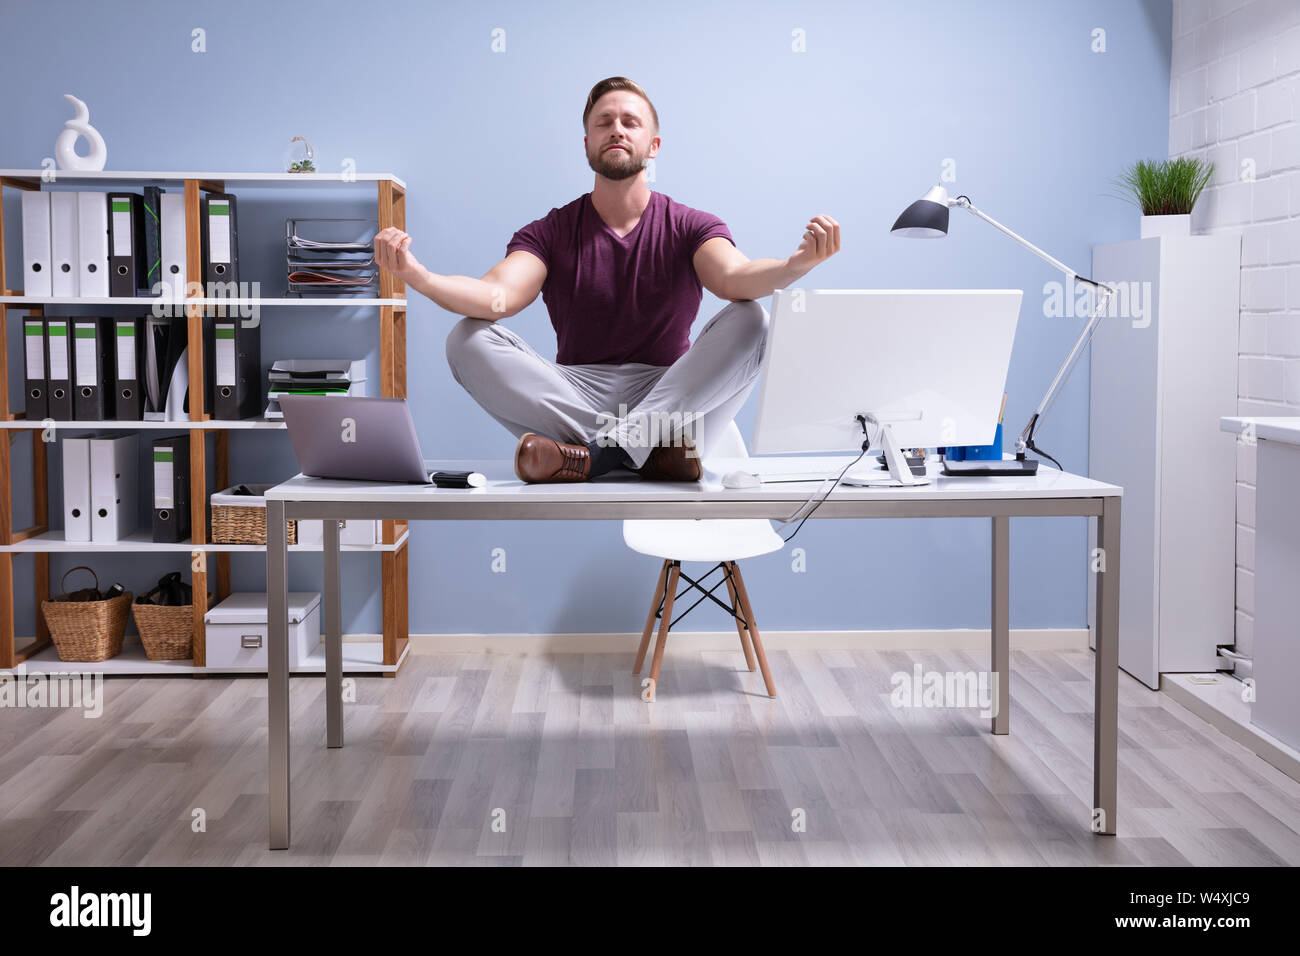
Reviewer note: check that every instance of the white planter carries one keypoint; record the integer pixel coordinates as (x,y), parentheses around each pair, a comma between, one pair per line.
(1166,226)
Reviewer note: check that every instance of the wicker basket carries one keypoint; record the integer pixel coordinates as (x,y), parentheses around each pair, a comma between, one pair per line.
(86,630)
(245,522)
(166,631)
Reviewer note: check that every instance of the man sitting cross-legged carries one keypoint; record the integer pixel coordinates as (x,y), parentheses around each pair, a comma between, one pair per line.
(621,270)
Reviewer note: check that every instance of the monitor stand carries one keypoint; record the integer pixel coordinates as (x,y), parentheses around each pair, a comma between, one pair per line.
(899,476)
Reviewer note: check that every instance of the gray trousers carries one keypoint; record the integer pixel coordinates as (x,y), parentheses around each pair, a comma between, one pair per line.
(635,406)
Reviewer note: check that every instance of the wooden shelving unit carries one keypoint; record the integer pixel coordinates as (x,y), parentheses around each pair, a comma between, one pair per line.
(39,541)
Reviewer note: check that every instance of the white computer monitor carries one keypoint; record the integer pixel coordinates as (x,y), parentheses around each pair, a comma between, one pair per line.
(931,364)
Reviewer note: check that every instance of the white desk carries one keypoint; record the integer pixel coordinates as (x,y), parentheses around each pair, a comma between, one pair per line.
(1276,654)
(619,496)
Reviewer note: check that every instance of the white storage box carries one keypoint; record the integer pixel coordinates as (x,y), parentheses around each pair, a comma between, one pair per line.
(362,531)
(237,633)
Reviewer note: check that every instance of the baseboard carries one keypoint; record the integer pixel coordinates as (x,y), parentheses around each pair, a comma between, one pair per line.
(1219,704)
(975,639)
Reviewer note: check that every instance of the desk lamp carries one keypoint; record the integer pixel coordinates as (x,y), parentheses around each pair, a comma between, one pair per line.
(927,218)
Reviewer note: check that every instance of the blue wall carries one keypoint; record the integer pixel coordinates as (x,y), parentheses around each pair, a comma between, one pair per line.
(858,126)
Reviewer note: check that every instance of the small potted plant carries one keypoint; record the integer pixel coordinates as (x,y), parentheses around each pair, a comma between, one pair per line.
(1166,190)
(304,165)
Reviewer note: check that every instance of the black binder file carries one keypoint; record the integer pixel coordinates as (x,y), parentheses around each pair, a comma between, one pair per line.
(58,351)
(237,359)
(152,222)
(171,489)
(126,266)
(92,367)
(128,365)
(35,381)
(220,240)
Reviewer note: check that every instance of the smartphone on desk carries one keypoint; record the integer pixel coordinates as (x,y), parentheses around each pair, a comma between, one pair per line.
(457,479)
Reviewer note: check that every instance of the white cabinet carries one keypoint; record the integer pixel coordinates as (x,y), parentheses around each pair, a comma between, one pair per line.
(1163,372)
(1276,670)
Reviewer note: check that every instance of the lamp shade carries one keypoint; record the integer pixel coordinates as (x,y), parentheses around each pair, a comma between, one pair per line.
(927,218)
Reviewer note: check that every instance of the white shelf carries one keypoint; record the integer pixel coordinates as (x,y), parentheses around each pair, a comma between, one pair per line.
(358,657)
(141,541)
(73,177)
(314,301)
(131,425)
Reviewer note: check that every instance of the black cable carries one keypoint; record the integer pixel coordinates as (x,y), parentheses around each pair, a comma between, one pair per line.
(866,444)
(1029,444)
(1038,451)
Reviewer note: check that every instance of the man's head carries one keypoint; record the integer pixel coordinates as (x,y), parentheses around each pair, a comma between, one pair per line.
(621,126)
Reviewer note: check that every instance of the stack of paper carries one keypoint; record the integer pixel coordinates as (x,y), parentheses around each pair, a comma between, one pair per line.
(331,256)
(313,377)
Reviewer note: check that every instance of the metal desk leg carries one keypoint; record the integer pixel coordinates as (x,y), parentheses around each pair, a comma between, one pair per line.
(277,690)
(333,638)
(1001,624)
(1105,718)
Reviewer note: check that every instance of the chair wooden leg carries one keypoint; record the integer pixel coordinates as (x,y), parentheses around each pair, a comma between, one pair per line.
(737,614)
(670,591)
(650,619)
(753,629)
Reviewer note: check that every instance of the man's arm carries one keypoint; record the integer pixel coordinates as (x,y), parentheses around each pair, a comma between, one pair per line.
(726,272)
(506,289)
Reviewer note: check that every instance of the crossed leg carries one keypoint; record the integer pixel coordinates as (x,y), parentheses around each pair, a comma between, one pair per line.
(697,395)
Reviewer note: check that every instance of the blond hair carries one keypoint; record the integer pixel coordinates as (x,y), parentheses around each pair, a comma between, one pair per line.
(608,85)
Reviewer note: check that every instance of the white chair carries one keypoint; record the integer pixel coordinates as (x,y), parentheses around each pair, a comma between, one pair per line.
(723,541)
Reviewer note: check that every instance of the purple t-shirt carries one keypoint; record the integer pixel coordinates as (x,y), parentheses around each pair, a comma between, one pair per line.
(615,300)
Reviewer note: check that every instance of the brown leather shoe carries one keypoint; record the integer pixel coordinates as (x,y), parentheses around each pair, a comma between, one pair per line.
(541,459)
(673,463)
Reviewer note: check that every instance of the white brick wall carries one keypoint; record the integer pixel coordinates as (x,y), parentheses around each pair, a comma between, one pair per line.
(1234,100)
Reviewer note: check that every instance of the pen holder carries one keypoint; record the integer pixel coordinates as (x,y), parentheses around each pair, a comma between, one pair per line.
(991,452)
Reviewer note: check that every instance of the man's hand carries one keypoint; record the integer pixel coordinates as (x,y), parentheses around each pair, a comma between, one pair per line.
(820,242)
(391,252)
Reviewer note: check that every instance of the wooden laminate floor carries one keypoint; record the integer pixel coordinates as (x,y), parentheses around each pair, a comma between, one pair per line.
(554,760)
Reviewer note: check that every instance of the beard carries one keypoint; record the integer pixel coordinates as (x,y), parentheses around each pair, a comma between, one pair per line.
(616,164)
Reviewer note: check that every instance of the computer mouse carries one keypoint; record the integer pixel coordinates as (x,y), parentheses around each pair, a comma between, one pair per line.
(740,479)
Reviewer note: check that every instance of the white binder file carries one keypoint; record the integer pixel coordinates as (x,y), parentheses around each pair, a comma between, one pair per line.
(63,244)
(76,489)
(36,243)
(113,484)
(172,234)
(92,242)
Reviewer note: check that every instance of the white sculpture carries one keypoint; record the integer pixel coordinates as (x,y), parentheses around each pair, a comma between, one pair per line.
(65,147)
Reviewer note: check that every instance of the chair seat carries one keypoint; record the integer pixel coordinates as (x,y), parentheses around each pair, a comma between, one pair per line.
(702,539)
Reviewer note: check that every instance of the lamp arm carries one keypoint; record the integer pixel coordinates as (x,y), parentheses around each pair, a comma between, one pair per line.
(1104,293)
(966,204)
(1053,390)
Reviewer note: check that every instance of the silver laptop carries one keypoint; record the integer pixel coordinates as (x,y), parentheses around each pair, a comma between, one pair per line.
(366,439)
